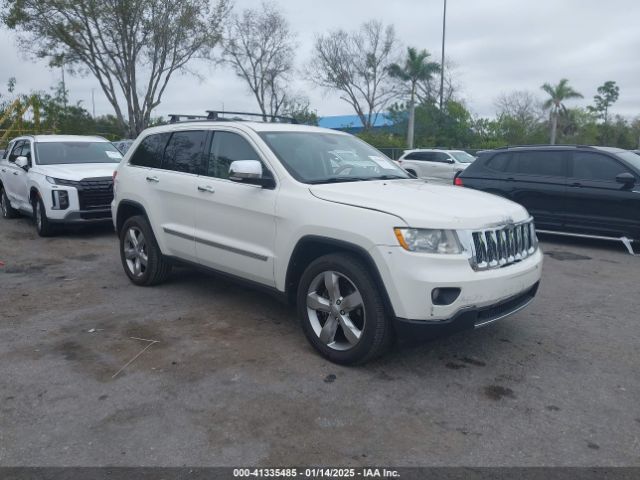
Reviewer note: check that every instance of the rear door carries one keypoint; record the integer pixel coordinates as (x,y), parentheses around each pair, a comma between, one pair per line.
(235,222)
(537,180)
(596,203)
(20,184)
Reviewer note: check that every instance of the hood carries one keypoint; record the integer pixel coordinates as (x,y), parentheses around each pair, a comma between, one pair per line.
(77,171)
(424,205)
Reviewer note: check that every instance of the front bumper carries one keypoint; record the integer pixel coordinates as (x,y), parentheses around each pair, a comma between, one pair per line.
(466,319)
(410,278)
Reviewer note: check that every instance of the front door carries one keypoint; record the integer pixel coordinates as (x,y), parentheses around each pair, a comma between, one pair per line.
(596,203)
(235,223)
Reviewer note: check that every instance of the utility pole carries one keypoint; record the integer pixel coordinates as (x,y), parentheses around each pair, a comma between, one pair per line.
(444,25)
(93,102)
(64,87)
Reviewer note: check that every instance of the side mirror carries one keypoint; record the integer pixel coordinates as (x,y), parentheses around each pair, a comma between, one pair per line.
(22,162)
(249,171)
(626,179)
(451,160)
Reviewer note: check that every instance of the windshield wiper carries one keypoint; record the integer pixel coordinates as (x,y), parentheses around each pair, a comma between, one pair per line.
(339,180)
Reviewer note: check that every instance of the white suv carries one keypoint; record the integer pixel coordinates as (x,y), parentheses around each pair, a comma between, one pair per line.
(362,249)
(435,164)
(58,179)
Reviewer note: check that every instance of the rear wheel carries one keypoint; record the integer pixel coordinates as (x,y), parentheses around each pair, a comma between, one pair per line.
(342,310)
(7,210)
(142,259)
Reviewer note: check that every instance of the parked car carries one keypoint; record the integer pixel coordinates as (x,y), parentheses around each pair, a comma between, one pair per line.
(637,152)
(123,145)
(577,190)
(435,164)
(361,248)
(58,179)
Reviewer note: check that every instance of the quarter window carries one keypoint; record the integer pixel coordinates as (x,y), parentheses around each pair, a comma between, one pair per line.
(499,162)
(228,147)
(149,152)
(184,151)
(594,166)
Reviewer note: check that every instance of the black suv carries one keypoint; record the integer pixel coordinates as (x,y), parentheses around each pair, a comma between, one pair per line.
(583,190)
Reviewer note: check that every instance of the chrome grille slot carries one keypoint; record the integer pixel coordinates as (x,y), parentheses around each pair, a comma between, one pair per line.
(502,246)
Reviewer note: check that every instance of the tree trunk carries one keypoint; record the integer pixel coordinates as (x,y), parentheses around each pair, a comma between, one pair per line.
(554,127)
(412,119)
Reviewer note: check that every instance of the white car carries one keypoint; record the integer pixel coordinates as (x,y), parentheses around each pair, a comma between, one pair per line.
(363,250)
(58,179)
(435,164)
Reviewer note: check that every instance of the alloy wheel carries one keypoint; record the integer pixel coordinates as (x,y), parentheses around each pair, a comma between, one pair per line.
(336,310)
(135,251)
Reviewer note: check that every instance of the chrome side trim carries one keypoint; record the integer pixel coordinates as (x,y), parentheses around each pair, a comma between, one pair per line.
(504,315)
(221,246)
(627,242)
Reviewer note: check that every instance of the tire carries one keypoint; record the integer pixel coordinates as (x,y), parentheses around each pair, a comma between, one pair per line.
(43,226)
(5,205)
(141,257)
(358,333)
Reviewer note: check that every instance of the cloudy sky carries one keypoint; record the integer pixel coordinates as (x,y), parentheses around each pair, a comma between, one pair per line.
(498,46)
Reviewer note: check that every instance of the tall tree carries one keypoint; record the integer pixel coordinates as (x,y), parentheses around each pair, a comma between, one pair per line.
(416,68)
(259,46)
(519,117)
(558,94)
(355,64)
(132,47)
(608,94)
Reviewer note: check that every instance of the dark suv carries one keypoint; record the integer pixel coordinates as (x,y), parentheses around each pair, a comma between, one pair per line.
(593,191)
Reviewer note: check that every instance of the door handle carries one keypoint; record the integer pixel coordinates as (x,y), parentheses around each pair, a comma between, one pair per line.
(510,179)
(206,188)
(16,173)
(153,179)
(576,184)
(4,169)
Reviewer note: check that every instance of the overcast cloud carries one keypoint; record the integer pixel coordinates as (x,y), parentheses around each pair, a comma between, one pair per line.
(497,45)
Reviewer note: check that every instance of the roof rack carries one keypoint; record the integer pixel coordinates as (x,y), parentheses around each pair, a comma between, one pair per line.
(219,116)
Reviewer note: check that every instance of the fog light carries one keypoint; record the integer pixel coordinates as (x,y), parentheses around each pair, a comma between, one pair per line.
(444,295)
(60,199)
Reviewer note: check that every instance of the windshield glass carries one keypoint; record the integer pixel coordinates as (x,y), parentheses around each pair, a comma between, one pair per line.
(463,157)
(316,157)
(56,153)
(631,158)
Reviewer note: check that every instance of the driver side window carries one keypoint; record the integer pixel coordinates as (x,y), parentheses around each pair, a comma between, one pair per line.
(16,151)
(227,147)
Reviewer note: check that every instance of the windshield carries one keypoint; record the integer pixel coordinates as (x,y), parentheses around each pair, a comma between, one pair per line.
(56,153)
(463,157)
(631,158)
(315,157)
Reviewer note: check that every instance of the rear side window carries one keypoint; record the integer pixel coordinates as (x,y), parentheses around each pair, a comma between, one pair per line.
(415,156)
(547,163)
(499,162)
(184,152)
(594,166)
(149,152)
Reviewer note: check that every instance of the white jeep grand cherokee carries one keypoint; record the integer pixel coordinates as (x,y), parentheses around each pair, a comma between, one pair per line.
(328,222)
(58,179)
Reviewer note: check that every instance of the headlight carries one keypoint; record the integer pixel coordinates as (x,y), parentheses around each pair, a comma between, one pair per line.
(51,180)
(428,240)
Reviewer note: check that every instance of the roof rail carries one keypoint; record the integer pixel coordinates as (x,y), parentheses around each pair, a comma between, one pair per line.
(505,147)
(219,116)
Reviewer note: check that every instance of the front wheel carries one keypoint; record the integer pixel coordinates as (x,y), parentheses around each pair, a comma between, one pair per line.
(142,259)
(7,210)
(342,310)
(43,226)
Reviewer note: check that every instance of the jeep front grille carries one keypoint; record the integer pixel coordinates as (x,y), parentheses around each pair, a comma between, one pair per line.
(502,246)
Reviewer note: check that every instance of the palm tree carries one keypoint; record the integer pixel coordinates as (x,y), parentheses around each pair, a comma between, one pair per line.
(416,69)
(558,93)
